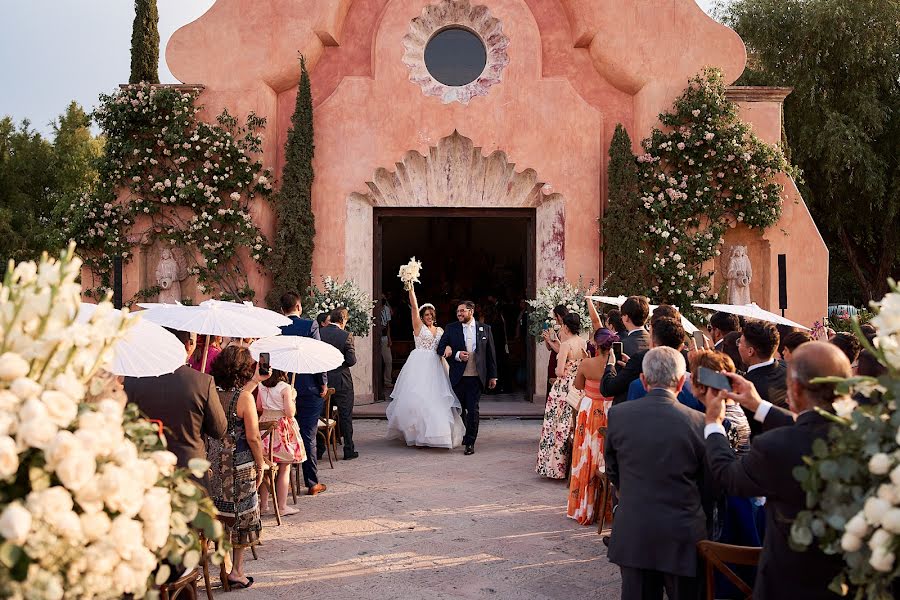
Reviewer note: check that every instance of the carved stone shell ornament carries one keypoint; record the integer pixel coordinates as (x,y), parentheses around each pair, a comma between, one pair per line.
(455,13)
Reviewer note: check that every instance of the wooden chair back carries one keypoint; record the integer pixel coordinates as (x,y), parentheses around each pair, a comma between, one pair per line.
(267,431)
(718,556)
(326,431)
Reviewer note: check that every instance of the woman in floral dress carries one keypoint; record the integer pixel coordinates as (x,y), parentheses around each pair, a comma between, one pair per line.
(590,429)
(554,449)
(277,403)
(237,462)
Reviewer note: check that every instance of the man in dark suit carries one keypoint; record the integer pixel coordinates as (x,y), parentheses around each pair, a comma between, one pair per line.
(634,312)
(720,325)
(310,392)
(341,379)
(767,470)
(655,459)
(185,401)
(469,347)
(757,346)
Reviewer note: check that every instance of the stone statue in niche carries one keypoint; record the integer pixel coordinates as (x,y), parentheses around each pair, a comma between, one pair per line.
(169,275)
(739,275)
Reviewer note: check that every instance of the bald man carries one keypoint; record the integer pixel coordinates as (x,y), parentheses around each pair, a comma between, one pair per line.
(767,470)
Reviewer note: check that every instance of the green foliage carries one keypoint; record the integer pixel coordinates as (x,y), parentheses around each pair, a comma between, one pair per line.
(145,43)
(843,117)
(334,295)
(168,177)
(296,227)
(37,176)
(624,221)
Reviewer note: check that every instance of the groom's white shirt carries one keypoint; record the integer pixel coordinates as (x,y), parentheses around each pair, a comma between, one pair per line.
(469,335)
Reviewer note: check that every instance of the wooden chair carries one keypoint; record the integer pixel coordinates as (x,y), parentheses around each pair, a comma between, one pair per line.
(204,565)
(187,582)
(718,556)
(327,425)
(269,477)
(604,500)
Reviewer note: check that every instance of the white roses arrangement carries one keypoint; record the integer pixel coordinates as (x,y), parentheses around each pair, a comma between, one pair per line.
(549,297)
(334,295)
(852,481)
(90,501)
(409,273)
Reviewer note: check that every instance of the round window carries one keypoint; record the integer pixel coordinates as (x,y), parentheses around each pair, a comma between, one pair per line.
(455,56)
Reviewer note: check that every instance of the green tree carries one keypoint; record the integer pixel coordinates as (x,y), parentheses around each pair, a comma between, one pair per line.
(624,221)
(294,242)
(842,119)
(145,43)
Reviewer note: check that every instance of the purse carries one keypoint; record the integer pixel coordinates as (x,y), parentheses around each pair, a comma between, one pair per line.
(574,397)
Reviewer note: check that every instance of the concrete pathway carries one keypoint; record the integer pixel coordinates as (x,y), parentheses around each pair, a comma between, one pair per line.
(433,524)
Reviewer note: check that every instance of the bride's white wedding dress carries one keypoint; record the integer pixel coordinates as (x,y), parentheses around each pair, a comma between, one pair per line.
(424,410)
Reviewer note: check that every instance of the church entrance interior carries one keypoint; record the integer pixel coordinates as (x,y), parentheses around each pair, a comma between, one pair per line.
(483,255)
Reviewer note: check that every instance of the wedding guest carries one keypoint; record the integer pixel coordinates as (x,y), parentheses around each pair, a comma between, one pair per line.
(237,462)
(767,470)
(323,320)
(737,425)
(730,347)
(614,321)
(848,344)
(635,311)
(385,315)
(720,325)
(522,320)
(311,391)
(791,342)
(277,404)
(655,459)
(867,365)
(868,331)
(554,449)
(587,446)
(185,401)
(551,342)
(341,379)
(757,346)
(196,358)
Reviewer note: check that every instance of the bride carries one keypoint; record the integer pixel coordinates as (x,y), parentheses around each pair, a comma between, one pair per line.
(424,410)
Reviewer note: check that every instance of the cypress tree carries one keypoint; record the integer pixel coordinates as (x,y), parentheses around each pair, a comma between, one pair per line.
(623,221)
(145,43)
(295,239)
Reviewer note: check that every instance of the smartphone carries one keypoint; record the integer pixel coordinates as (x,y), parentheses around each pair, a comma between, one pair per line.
(700,340)
(545,326)
(617,350)
(264,363)
(712,379)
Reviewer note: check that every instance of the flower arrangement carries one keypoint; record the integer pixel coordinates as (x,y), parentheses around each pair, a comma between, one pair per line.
(167,177)
(333,295)
(549,297)
(409,273)
(91,504)
(852,481)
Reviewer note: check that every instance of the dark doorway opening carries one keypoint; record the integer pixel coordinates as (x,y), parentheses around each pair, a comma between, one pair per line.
(483,255)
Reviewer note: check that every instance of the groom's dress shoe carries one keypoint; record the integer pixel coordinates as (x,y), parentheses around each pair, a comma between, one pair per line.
(470,449)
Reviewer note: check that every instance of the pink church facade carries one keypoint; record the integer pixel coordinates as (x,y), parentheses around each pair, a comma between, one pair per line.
(531,133)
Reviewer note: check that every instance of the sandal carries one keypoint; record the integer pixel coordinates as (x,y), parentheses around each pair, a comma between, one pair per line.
(240,585)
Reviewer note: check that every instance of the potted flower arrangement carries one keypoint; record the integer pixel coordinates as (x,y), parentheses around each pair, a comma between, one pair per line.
(334,294)
(91,504)
(549,297)
(852,481)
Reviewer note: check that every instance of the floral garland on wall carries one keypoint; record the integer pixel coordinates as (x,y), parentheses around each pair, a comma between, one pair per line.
(541,316)
(186,183)
(335,294)
(701,173)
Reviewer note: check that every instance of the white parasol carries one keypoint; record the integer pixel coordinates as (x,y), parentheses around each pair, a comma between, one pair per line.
(270,316)
(146,350)
(618,301)
(752,311)
(297,354)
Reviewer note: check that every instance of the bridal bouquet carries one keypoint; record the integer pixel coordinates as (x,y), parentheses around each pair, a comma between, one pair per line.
(347,294)
(549,297)
(853,481)
(409,273)
(90,501)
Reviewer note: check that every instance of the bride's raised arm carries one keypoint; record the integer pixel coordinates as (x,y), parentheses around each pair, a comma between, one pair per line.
(414,306)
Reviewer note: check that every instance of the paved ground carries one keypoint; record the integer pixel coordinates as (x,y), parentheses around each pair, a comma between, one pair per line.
(433,524)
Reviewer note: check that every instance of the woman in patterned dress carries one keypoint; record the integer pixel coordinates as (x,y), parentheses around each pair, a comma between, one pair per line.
(237,462)
(554,449)
(590,429)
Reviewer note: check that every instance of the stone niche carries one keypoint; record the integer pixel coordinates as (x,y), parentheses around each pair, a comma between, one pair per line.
(149,257)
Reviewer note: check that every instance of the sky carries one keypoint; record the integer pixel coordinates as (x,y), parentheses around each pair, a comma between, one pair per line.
(56,51)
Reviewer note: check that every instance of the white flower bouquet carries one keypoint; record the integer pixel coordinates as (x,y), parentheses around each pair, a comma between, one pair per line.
(852,481)
(409,273)
(549,297)
(347,294)
(90,501)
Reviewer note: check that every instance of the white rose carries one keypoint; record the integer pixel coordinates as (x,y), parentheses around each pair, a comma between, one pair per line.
(13,366)
(127,579)
(25,388)
(887,493)
(95,525)
(61,409)
(857,525)
(850,543)
(119,492)
(49,502)
(15,523)
(9,457)
(165,461)
(36,433)
(126,534)
(895,473)
(880,539)
(155,513)
(882,560)
(69,385)
(887,321)
(890,345)
(89,497)
(891,520)
(68,525)
(126,453)
(874,509)
(880,464)
(77,470)
(844,407)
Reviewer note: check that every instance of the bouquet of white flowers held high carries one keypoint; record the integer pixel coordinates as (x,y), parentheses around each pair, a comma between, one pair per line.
(90,501)
(333,295)
(852,481)
(549,297)
(409,273)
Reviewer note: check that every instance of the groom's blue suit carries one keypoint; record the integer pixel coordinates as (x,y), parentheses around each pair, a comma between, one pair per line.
(468,388)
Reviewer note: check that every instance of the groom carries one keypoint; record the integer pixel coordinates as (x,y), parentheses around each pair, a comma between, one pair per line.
(469,347)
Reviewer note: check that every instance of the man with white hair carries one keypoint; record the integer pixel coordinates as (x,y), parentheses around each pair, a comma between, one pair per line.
(655,458)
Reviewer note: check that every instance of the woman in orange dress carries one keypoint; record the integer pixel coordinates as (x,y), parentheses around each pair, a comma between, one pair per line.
(590,429)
